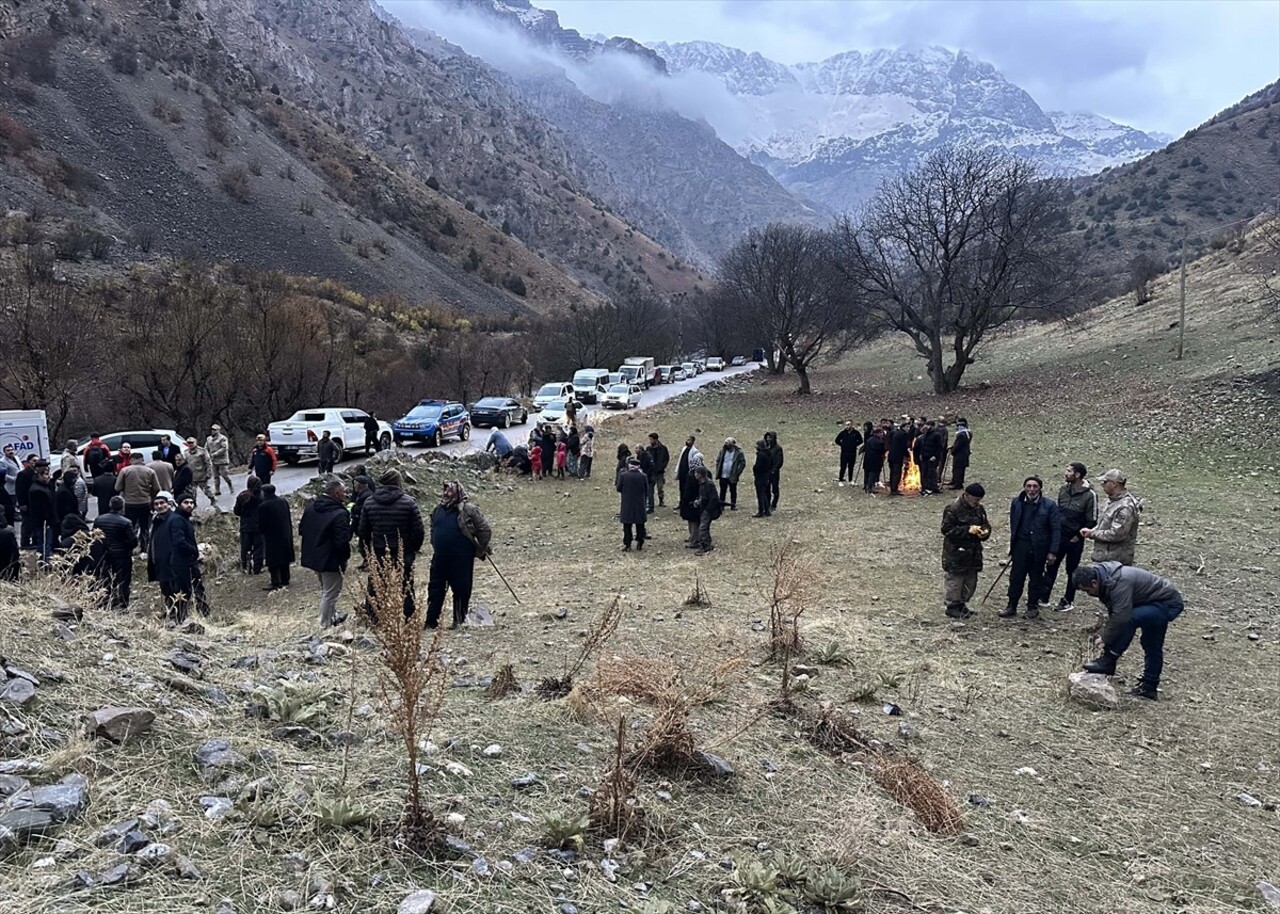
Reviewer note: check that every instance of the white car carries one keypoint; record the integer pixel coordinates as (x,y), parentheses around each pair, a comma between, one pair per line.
(621,396)
(738,360)
(715,364)
(556,390)
(141,441)
(295,438)
(690,369)
(679,374)
(555,412)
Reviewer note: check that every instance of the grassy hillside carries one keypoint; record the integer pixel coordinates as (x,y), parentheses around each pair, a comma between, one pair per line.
(1066,810)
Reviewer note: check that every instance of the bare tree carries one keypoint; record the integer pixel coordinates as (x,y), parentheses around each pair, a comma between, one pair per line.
(716,320)
(782,279)
(967,242)
(1266,267)
(1142,270)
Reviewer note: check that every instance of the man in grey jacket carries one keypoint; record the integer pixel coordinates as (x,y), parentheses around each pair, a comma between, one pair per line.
(1135,599)
(1115,536)
(201,468)
(219,449)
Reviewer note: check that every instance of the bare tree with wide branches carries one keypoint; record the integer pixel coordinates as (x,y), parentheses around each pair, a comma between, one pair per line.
(783,280)
(967,242)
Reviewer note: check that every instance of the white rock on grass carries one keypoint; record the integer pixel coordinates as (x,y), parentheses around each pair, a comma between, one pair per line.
(1092,689)
(1270,894)
(420,902)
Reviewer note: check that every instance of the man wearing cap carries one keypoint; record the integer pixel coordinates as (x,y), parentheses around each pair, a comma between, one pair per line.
(1115,536)
(730,464)
(138,484)
(1034,537)
(325,529)
(960,450)
(848,440)
(1077,508)
(69,457)
(391,524)
(1135,599)
(219,449)
(964,529)
(633,486)
(201,465)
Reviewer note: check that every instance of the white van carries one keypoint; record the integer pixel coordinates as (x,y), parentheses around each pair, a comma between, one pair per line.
(588,384)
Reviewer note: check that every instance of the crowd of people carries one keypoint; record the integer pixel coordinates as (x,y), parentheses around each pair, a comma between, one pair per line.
(921,443)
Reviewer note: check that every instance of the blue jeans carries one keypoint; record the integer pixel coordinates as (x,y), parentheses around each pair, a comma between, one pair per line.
(1153,619)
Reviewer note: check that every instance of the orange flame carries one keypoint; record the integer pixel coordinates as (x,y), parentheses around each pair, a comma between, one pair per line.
(910,484)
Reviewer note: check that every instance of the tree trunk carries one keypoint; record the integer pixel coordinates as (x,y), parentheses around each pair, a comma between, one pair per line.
(802,372)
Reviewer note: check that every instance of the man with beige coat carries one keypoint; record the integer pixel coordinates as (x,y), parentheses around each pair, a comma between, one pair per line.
(201,468)
(1115,535)
(139,485)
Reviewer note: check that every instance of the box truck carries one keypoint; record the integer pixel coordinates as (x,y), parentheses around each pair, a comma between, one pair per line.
(26,430)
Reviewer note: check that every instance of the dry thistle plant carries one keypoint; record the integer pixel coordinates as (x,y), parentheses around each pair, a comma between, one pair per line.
(413,685)
(604,629)
(504,682)
(614,807)
(905,779)
(791,588)
(699,595)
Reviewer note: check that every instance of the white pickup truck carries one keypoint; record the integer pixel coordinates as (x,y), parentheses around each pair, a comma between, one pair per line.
(295,438)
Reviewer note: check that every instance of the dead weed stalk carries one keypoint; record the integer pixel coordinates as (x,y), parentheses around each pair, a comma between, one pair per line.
(614,807)
(791,589)
(597,637)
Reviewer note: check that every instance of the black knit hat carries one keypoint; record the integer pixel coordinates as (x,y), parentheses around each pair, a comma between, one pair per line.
(975,489)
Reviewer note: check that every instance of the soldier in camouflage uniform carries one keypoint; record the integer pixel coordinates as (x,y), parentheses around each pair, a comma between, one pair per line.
(1115,536)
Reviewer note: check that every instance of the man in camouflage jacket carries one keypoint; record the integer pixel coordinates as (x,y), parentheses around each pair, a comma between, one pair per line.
(1115,536)
(964,529)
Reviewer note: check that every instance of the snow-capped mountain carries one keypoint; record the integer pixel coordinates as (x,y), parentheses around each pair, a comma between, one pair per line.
(833,129)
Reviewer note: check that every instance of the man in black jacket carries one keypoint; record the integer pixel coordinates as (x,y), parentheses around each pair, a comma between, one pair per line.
(275,523)
(899,446)
(119,540)
(167,451)
(103,487)
(775,474)
(42,512)
(325,529)
(661,459)
(185,558)
(761,471)
(709,507)
(1077,509)
(683,462)
(932,450)
(22,498)
(634,488)
(873,451)
(10,555)
(960,449)
(646,467)
(363,489)
(1034,537)
(849,440)
(327,452)
(392,526)
(459,535)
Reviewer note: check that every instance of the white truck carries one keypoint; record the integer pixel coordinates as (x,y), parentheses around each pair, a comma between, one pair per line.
(27,430)
(295,438)
(639,370)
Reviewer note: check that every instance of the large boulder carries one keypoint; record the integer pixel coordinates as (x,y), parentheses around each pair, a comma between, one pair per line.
(38,812)
(1093,689)
(120,725)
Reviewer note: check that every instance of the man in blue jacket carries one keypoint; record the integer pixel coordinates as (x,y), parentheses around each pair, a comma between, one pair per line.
(1034,537)
(1135,599)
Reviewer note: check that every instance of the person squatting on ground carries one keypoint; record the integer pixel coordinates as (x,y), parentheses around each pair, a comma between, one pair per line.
(391,527)
(247,506)
(119,540)
(325,530)
(275,522)
(964,529)
(849,440)
(633,486)
(1115,536)
(730,464)
(1135,599)
(219,449)
(1034,535)
(1077,509)
(459,535)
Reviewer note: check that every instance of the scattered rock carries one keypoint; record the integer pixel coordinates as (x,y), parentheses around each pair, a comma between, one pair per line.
(119,725)
(480,867)
(1247,799)
(132,841)
(216,807)
(184,868)
(479,617)
(155,855)
(11,784)
(185,662)
(419,902)
(215,757)
(1092,689)
(63,611)
(977,799)
(891,709)
(288,900)
(907,731)
(492,751)
(120,874)
(715,765)
(1270,894)
(17,692)
(525,780)
(193,627)
(298,735)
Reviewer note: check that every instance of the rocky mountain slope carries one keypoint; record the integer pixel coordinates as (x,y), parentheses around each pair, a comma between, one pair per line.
(832,129)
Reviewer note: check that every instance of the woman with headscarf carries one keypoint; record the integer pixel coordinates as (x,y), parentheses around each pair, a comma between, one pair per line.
(690,510)
(459,535)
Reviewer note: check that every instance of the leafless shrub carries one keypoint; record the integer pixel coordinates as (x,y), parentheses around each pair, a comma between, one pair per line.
(699,595)
(255,168)
(1142,270)
(413,685)
(615,808)
(235,181)
(144,237)
(504,682)
(552,687)
(217,126)
(905,779)
(307,206)
(791,588)
(16,137)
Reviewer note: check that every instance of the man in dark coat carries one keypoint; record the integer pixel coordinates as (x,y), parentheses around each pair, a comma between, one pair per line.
(325,530)
(849,440)
(634,488)
(684,462)
(932,450)
(42,511)
(119,540)
(873,451)
(262,460)
(392,526)
(960,449)
(22,498)
(1034,536)
(459,536)
(730,464)
(275,521)
(775,475)
(184,560)
(247,506)
(900,440)
(661,460)
(169,555)
(327,452)
(371,442)
(646,467)
(964,529)
(761,470)
(184,480)
(363,489)
(1135,599)
(1077,510)
(548,443)
(689,510)
(103,487)
(10,554)
(709,508)
(167,451)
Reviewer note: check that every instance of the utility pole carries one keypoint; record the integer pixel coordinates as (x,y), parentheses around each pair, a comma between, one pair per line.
(1182,297)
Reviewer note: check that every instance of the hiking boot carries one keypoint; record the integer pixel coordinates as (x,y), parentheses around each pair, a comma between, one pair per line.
(1033,612)
(1008,612)
(640,546)
(958,611)
(1064,607)
(1145,690)
(626,547)
(1105,664)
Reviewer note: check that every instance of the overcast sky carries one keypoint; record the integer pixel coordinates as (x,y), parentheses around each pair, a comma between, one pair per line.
(1163,65)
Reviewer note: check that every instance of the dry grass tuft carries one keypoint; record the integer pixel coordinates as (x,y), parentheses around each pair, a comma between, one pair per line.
(504,683)
(792,586)
(905,779)
(699,595)
(614,808)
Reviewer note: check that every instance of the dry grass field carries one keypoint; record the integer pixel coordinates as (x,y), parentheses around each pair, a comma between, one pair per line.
(1066,810)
